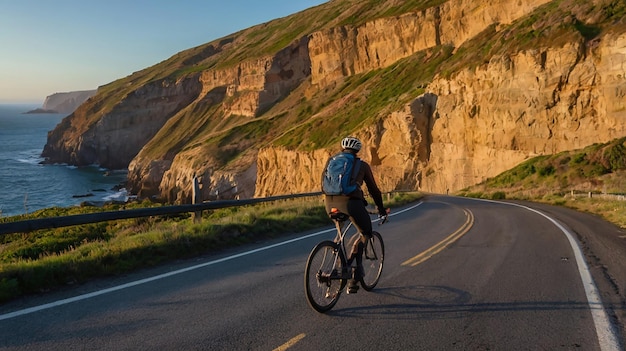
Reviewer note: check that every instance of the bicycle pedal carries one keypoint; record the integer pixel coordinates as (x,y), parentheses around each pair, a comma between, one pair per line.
(353,287)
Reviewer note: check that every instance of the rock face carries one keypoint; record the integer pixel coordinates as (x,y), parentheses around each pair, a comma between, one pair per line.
(67,102)
(484,120)
(344,51)
(245,91)
(533,103)
(112,138)
(196,115)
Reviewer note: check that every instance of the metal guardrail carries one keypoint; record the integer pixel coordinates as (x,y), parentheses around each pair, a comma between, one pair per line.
(604,196)
(66,221)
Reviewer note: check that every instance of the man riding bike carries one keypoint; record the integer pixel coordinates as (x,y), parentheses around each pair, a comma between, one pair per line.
(354,204)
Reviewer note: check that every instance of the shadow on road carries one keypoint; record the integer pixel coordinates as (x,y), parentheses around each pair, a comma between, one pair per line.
(435,302)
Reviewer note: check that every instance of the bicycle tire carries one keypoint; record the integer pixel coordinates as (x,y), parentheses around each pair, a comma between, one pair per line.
(373,259)
(324,262)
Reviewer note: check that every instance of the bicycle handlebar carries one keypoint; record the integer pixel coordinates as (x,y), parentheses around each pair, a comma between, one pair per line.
(383,218)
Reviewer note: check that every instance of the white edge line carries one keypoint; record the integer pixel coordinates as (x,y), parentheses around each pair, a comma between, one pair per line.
(169,274)
(607,336)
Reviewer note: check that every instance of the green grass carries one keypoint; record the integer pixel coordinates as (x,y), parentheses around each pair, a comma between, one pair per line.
(611,210)
(598,168)
(362,11)
(371,95)
(49,259)
(564,171)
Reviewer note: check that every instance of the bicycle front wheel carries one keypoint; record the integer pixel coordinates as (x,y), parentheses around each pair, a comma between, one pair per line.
(323,280)
(373,257)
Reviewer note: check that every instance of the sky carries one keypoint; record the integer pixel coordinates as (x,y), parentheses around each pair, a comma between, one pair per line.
(56,46)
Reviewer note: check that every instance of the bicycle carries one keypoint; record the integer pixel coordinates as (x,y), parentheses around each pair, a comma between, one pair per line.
(327,271)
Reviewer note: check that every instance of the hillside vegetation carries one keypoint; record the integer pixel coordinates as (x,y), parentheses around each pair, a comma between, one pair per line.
(576,179)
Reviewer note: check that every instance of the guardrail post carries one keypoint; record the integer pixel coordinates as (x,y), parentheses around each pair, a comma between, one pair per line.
(196,198)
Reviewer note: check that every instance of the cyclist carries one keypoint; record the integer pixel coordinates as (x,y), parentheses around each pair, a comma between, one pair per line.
(354,204)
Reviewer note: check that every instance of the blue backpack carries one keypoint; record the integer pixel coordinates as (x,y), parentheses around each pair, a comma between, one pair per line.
(339,176)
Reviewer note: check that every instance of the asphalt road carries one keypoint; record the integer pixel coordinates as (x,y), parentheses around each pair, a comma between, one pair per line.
(460,274)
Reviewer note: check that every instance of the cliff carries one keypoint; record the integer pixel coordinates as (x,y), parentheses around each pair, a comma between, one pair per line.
(442,96)
(66,102)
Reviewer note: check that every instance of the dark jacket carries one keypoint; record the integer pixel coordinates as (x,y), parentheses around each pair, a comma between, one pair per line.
(366,176)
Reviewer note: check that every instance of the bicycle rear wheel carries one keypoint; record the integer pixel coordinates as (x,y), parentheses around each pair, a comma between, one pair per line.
(373,257)
(323,281)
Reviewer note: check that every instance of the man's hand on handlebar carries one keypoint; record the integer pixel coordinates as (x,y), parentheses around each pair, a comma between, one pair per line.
(383,214)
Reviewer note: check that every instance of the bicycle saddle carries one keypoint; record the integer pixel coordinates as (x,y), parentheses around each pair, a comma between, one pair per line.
(338,215)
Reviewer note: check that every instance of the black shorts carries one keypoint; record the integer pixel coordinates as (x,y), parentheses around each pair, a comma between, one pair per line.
(355,208)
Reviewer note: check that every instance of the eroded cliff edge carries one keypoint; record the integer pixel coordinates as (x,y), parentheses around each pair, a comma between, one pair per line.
(227,123)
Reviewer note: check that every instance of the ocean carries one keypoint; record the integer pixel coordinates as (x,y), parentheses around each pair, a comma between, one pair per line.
(26,185)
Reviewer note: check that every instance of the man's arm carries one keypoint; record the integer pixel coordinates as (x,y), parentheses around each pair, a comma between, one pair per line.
(372,188)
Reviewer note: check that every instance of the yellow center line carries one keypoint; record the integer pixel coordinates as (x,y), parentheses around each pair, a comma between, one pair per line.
(444,243)
(290,343)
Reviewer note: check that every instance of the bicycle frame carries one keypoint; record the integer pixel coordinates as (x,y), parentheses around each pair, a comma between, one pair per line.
(342,231)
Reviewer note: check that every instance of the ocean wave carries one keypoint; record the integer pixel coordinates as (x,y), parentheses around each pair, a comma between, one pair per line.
(120,195)
(32,157)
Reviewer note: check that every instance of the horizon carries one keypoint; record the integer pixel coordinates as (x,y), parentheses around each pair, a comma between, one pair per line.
(56,47)
(19,103)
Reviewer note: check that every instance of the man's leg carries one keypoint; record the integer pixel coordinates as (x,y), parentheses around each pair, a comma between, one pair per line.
(363,223)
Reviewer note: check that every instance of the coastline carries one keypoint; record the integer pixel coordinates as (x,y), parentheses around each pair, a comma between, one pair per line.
(28,184)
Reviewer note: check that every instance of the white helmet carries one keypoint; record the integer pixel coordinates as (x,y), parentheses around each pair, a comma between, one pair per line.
(351,143)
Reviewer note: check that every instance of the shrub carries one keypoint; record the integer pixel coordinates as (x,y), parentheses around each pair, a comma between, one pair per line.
(546,170)
(498,195)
